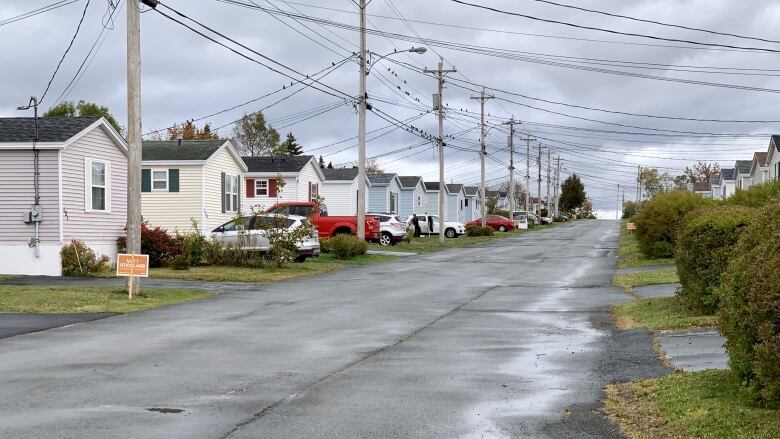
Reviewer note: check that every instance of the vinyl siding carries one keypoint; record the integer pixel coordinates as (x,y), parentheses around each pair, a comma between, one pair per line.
(759,176)
(17,192)
(308,175)
(406,203)
(433,203)
(454,210)
(339,196)
(174,211)
(377,199)
(259,204)
(93,227)
(221,161)
(772,164)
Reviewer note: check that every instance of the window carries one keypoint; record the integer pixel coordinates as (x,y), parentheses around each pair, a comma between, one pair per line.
(160,180)
(261,188)
(467,202)
(97,187)
(315,191)
(419,200)
(231,193)
(393,202)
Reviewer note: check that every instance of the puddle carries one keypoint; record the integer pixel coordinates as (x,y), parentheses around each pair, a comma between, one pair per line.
(165,410)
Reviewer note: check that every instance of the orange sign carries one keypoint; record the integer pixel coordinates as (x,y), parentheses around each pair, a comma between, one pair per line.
(631,226)
(132,265)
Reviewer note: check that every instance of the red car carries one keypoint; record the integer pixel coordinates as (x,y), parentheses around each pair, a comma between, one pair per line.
(496,222)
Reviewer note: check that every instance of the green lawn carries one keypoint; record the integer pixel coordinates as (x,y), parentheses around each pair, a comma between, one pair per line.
(707,405)
(430,244)
(652,277)
(629,253)
(44,299)
(658,313)
(323,264)
(5,277)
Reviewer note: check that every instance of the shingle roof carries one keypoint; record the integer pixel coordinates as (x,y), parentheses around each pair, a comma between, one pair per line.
(186,150)
(701,186)
(288,163)
(340,173)
(761,157)
(743,166)
(380,179)
(431,185)
(409,181)
(776,141)
(454,188)
(715,179)
(50,129)
(728,173)
(471,190)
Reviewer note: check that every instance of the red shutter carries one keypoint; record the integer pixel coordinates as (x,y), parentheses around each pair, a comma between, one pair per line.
(250,188)
(309,191)
(272,187)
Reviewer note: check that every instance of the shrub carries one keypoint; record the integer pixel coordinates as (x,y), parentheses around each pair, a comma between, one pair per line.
(157,243)
(180,262)
(499,212)
(749,311)
(656,222)
(544,212)
(79,260)
(472,230)
(704,247)
(344,246)
(755,196)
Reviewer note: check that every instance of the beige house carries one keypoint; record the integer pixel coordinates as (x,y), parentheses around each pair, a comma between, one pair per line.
(190,182)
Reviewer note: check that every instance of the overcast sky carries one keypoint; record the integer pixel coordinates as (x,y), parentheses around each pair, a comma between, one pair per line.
(186,76)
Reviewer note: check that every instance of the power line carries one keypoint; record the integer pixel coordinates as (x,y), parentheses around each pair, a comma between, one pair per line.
(57,69)
(34,12)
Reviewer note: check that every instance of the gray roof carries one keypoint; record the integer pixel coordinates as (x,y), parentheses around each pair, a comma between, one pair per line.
(287,163)
(431,185)
(743,166)
(728,173)
(184,150)
(380,179)
(715,179)
(340,173)
(471,190)
(50,129)
(454,188)
(701,186)
(409,181)
(776,141)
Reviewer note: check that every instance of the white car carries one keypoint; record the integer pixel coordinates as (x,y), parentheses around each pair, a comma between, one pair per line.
(429,225)
(391,229)
(250,233)
(521,218)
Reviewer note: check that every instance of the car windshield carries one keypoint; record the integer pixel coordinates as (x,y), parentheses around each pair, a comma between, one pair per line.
(232,226)
(266,222)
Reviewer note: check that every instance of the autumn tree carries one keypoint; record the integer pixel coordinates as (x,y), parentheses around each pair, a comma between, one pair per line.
(372,166)
(255,136)
(190,131)
(290,146)
(572,193)
(701,172)
(82,109)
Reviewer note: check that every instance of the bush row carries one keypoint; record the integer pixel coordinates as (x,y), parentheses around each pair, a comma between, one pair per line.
(344,246)
(472,230)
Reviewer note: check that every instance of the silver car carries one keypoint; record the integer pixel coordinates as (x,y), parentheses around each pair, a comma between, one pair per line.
(391,229)
(251,233)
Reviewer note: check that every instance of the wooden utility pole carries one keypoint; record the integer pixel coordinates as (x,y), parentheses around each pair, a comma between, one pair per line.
(528,139)
(482,98)
(557,188)
(133,137)
(539,183)
(638,184)
(511,144)
(361,196)
(439,105)
(547,200)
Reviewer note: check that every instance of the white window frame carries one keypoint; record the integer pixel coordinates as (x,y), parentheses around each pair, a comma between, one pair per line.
(88,185)
(231,193)
(419,200)
(267,187)
(158,180)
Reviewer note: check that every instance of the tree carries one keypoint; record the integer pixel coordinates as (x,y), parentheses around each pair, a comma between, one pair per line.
(330,165)
(491,204)
(82,109)
(255,136)
(290,146)
(681,182)
(322,163)
(372,167)
(651,181)
(572,193)
(701,172)
(629,209)
(190,131)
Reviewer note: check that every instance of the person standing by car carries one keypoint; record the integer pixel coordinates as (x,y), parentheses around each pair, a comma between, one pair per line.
(416,224)
(430,225)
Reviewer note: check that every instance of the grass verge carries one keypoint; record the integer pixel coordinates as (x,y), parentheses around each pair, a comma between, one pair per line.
(709,404)
(431,244)
(5,277)
(658,313)
(45,299)
(652,277)
(629,254)
(323,264)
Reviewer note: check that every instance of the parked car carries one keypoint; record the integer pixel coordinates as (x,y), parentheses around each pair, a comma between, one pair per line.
(451,229)
(495,222)
(327,225)
(251,233)
(521,218)
(391,229)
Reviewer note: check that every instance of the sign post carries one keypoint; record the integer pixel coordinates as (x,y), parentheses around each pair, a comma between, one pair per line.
(132,266)
(630,227)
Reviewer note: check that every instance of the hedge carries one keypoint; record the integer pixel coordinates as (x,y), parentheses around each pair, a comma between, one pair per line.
(704,247)
(749,311)
(755,196)
(656,222)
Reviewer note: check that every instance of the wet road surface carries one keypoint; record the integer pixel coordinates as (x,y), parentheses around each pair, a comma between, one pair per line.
(510,339)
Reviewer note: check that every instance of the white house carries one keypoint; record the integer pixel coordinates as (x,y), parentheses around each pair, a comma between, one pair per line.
(272,179)
(384,193)
(728,184)
(742,176)
(473,203)
(702,188)
(414,198)
(432,189)
(759,171)
(82,190)
(339,191)
(456,200)
(716,187)
(188,182)
(773,158)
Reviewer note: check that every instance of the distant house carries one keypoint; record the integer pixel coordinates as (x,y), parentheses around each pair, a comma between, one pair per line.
(473,203)
(702,188)
(728,184)
(716,189)
(773,158)
(432,188)
(759,172)
(742,174)
(190,182)
(270,179)
(414,198)
(82,165)
(384,193)
(339,191)
(456,200)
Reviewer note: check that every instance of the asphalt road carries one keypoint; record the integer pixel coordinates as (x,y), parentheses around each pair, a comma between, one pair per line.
(511,339)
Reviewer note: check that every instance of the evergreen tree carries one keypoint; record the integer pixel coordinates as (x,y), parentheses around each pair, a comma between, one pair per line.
(330,165)
(290,146)
(572,193)
(322,163)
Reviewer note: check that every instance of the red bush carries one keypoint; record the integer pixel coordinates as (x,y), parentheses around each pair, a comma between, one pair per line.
(158,244)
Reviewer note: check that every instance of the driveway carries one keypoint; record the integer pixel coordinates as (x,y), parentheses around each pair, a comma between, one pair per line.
(502,340)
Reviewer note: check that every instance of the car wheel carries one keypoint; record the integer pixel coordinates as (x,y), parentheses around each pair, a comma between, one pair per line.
(501,228)
(300,259)
(450,233)
(385,239)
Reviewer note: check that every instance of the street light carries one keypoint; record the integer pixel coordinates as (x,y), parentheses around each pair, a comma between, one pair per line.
(364,71)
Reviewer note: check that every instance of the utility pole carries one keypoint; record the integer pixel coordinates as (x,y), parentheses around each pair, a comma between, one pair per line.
(539,182)
(547,200)
(557,188)
(361,196)
(482,98)
(439,105)
(133,137)
(617,211)
(638,184)
(528,140)
(511,144)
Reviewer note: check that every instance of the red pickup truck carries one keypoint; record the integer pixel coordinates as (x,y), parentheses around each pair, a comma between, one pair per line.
(327,226)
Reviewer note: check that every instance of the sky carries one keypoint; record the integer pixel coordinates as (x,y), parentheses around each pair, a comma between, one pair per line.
(542,74)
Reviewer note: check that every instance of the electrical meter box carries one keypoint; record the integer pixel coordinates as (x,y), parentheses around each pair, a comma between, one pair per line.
(34,215)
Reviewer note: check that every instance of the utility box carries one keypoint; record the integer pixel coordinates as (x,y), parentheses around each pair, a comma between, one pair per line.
(436,101)
(34,215)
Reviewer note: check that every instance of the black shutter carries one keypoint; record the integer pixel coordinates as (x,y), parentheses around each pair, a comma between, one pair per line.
(222,192)
(146,180)
(173,180)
